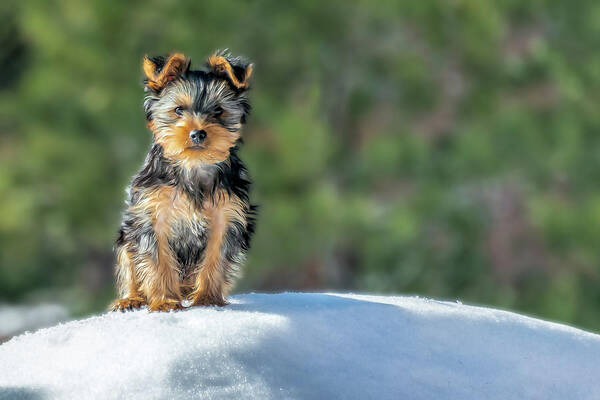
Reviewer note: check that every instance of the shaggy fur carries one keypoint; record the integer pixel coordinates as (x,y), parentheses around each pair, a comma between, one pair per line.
(188,221)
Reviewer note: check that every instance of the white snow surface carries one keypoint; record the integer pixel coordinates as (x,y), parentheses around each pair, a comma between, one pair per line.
(305,346)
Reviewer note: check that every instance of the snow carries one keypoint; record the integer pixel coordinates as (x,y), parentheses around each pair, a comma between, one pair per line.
(305,346)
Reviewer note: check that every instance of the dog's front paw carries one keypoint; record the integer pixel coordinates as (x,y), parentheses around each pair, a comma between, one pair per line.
(128,304)
(205,300)
(165,305)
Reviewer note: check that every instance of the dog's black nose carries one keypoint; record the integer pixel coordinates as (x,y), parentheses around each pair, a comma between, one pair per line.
(198,135)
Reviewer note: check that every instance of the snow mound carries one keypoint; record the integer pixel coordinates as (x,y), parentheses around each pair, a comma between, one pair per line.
(305,346)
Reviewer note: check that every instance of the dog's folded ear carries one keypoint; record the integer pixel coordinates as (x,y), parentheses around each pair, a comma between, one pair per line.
(235,69)
(160,71)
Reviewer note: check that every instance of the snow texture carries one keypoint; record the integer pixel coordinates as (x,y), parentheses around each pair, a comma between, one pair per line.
(305,346)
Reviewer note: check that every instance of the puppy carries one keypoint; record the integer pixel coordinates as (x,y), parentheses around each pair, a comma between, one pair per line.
(188,221)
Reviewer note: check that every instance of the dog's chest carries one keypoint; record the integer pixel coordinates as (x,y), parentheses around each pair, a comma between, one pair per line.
(183,224)
(188,241)
(188,236)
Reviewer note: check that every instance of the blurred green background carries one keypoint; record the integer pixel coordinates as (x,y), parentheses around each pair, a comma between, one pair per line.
(440,148)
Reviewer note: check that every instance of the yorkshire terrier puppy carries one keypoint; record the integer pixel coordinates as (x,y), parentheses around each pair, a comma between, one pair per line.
(188,221)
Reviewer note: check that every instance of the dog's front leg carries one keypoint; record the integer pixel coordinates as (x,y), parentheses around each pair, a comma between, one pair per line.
(209,281)
(147,270)
(127,282)
(160,277)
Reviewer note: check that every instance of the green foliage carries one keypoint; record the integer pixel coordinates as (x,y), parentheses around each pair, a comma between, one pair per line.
(447,149)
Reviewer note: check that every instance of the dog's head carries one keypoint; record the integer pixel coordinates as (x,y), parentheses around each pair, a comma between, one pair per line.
(196,116)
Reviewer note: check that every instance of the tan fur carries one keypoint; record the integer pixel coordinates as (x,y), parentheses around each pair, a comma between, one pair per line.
(127,283)
(210,286)
(162,289)
(175,65)
(221,65)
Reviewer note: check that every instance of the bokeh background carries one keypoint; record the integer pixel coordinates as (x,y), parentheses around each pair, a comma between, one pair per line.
(448,149)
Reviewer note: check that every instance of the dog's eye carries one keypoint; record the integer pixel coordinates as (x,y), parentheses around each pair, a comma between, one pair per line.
(218,112)
(178,110)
